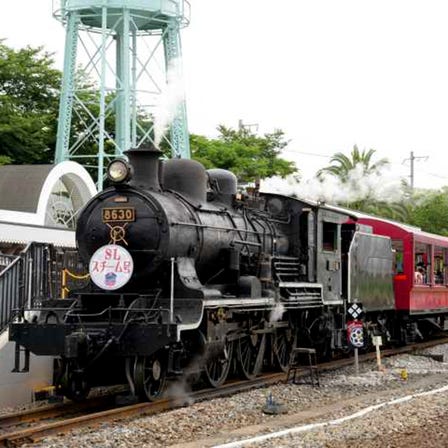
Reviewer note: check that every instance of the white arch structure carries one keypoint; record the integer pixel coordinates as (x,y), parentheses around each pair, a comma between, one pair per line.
(66,188)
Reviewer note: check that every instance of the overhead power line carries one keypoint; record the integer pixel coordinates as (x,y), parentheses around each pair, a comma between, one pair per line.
(435,175)
(307,153)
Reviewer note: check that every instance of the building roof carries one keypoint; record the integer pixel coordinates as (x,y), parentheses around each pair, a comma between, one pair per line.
(22,185)
(38,201)
(13,233)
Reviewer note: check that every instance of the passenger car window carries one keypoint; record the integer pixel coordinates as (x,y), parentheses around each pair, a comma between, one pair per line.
(397,246)
(422,263)
(440,265)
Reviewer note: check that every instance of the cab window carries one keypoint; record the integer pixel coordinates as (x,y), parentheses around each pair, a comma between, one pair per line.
(329,236)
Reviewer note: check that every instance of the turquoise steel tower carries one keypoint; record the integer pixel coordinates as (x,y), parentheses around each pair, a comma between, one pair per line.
(122,57)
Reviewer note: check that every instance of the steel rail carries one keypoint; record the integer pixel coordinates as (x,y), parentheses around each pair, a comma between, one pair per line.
(16,438)
(56,410)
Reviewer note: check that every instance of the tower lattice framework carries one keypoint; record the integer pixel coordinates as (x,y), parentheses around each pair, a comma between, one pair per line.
(118,56)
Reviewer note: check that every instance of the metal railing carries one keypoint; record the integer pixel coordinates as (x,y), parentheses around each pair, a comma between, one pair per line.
(35,275)
(6,260)
(9,290)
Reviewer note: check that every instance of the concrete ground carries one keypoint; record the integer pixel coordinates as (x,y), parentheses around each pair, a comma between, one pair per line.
(18,388)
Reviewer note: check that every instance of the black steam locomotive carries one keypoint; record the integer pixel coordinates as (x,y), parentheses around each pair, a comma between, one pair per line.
(189,276)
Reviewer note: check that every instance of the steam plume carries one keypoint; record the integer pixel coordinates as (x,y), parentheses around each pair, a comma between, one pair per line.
(277,313)
(171,97)
(358,186)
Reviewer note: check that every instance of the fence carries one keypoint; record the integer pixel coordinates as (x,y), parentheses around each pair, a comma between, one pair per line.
(34,275)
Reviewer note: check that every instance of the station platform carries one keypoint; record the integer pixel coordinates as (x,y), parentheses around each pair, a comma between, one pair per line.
(20,388)
(38,208)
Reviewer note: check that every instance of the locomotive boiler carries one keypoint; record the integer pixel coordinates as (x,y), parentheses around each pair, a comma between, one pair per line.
(189,277)
(173,219)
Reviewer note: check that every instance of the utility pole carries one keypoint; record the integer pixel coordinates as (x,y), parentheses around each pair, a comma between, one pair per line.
(412,160)
(247,126)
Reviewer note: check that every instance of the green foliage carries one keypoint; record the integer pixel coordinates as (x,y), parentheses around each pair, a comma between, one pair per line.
(397,211)
(29,94)
(351,171)
(430,211)
(5,160)
(29,108)
(341,165)
(248,156)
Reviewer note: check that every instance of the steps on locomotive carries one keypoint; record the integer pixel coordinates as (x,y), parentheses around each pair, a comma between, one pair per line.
(287,271)
(302,294)
(286,268)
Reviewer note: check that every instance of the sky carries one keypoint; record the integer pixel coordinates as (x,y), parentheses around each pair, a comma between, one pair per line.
(329,73)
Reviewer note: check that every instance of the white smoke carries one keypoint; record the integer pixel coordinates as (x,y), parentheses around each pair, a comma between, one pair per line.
(358,186)
(179,392)
(171,97)
(277,313)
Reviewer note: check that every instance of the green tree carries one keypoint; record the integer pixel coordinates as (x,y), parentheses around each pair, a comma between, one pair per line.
(247,155)
(341,165)
(29,94)
(397,211)
(352,171)
(29,109)
(430,211)
(5,160)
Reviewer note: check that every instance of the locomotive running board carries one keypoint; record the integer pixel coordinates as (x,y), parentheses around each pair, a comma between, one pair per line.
(235,301)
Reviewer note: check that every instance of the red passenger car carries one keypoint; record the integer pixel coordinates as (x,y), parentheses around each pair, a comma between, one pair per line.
(421,263)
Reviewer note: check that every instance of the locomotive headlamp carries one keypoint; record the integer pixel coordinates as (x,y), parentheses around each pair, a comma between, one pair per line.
(118,171)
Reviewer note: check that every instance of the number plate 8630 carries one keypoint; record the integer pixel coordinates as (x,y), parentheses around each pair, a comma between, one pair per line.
(118,214)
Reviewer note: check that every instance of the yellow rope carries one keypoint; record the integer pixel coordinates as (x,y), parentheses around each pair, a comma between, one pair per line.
(76,277)
(65,272)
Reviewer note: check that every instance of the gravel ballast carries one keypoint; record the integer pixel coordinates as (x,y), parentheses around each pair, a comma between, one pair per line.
(341,393)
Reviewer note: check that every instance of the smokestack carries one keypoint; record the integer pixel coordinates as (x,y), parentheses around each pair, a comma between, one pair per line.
(145,165)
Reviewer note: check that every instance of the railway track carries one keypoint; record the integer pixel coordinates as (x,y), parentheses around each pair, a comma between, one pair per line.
(40,422)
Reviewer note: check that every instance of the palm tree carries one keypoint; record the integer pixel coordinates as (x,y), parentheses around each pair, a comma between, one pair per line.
(397,211)
(343,165)
(351,171)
